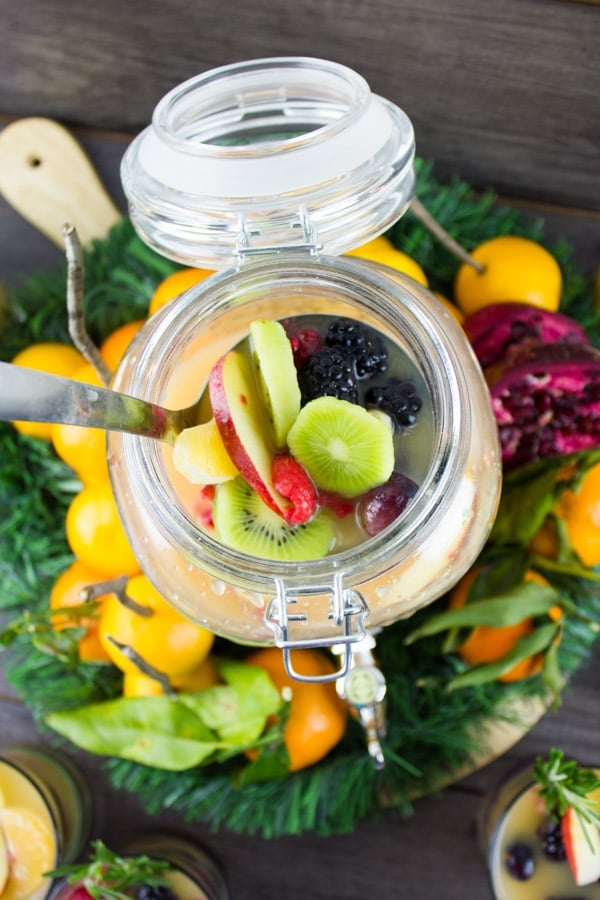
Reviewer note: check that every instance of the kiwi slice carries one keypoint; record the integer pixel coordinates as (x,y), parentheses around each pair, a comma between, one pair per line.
(244,522)
(277,377)
(342,446)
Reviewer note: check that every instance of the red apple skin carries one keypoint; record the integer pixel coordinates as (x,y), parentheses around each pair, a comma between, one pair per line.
(584,861)
(239,420)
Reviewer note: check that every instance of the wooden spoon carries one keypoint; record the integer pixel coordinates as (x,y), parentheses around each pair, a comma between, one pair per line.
(48,179)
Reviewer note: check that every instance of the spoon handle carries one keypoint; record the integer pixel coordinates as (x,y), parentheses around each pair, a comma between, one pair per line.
(32,396)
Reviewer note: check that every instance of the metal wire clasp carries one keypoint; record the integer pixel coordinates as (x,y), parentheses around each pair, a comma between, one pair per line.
(348,610)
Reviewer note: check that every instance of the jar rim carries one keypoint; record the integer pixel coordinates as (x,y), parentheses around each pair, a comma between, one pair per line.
(206,92)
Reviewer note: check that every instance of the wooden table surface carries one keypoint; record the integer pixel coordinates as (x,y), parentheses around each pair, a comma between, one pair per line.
(433,854)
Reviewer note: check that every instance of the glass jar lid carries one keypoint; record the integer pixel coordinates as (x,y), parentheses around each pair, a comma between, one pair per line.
(270,154)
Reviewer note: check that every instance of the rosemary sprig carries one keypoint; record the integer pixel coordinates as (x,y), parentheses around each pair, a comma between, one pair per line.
(564,783)
(107,876)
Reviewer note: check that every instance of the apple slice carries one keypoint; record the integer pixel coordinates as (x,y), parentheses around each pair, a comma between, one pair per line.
(582,846)
(241,418)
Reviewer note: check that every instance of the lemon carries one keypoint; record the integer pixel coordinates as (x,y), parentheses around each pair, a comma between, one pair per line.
(381,250)
(516,270)
(31,850)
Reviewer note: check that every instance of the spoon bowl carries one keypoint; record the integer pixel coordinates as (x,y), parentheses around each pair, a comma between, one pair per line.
(33,396)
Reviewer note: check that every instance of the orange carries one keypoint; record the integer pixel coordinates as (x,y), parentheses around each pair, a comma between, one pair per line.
(165,639)
(318,717)
(517,270)
(95,533)
(66,592)
(580,511)
(84,449)
(114,346)
(381,250)
(174,285)
(52,357)
(486,643)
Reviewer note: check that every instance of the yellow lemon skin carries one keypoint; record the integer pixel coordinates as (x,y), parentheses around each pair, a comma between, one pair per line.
(381,250)
(516,270)
(165,639)
(95,533)
(82,448)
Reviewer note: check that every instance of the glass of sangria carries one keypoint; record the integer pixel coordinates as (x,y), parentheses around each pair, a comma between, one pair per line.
(525,848)
(179,869)
(273,168)
(45,817)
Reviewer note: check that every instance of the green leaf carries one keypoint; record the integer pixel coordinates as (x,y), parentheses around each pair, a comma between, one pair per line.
(517,522)
(238,710)
(537,642)
(176,733)
(526,600)
(155,731)
(273,760)
(552,676)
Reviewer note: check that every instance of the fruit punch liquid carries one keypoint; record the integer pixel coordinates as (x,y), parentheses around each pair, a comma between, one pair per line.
(44,819)
(449,452)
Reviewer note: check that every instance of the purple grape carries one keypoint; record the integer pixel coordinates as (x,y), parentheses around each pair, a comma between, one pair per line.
(380,506)
(551,839)
(519,861)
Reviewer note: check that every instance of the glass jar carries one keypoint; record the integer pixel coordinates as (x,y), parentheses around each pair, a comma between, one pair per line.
(231,122)
(45,816)
(514,814)
(194,875)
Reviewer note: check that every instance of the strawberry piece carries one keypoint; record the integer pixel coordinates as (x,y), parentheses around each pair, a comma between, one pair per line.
(79,893)
(292,481)
(340,506)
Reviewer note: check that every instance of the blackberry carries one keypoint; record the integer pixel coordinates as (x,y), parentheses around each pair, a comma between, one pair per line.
(328,373)
(551,839)
(361,344)
(156,892)
(399,399)
(519,861)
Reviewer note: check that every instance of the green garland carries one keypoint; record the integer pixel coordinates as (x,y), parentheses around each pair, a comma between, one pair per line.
(431,732)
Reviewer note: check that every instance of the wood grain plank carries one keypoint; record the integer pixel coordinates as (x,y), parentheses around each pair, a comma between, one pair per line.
(501,93)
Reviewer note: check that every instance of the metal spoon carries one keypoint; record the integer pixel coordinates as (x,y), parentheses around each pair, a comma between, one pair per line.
(32,396)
